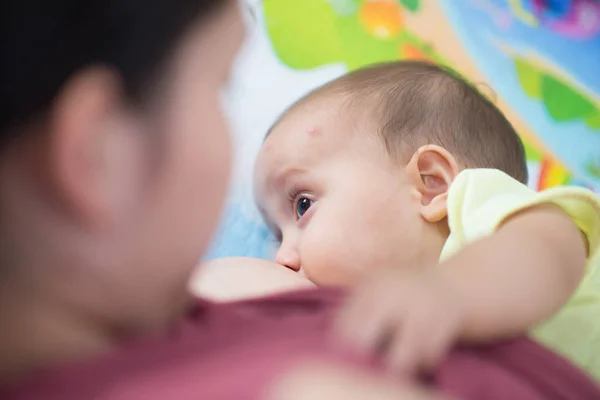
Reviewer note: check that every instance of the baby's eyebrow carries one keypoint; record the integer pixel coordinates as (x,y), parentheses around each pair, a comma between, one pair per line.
(278,180)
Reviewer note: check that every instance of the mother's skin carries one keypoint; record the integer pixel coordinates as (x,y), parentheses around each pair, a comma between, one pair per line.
(238,278)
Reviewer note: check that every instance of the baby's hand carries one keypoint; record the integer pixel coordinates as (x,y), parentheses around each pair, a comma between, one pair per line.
(411,319)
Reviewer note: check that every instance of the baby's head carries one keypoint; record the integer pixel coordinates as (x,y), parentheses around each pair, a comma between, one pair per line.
(356,174)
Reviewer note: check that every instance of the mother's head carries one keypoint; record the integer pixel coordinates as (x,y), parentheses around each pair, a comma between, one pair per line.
(113,166)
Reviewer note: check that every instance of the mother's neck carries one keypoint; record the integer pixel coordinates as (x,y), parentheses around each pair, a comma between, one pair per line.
(38,333)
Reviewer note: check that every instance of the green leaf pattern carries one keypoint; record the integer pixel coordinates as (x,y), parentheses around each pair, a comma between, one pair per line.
(563,102)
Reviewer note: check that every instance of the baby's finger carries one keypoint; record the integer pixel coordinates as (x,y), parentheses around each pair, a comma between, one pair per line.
(362,328)
(437,346)
(409,346)
(403,351)
(362,319)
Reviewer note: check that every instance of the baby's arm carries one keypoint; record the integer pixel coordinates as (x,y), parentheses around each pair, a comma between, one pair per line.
(236,278)
(495,288)
(520,275)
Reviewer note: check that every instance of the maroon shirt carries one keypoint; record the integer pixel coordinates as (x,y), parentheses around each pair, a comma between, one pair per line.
(234,351)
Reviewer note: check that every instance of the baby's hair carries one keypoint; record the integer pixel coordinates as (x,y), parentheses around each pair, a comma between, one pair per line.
(418,103)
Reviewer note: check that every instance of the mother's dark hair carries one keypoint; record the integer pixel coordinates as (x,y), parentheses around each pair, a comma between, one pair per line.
(44,42)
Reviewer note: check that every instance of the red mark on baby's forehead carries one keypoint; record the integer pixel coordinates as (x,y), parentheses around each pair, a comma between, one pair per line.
(314,131)
(267,147)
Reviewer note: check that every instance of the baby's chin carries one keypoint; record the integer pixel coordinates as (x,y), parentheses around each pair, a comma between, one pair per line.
(237,278)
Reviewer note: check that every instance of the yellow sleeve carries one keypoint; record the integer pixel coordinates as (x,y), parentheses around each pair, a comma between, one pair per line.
(479,201)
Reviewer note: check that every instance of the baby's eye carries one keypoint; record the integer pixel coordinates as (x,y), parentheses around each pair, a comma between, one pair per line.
(302,206)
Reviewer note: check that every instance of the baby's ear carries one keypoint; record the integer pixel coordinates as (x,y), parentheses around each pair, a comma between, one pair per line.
(432,169)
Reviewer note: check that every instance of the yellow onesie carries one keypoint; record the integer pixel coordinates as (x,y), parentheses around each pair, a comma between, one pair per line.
(479,201)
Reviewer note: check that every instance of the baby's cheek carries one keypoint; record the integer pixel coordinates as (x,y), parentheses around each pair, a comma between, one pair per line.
(326,261)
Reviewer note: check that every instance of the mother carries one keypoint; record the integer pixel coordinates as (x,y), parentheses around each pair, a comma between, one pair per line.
(112,167)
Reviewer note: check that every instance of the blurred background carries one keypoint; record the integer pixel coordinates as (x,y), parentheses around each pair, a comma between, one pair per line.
(538,59)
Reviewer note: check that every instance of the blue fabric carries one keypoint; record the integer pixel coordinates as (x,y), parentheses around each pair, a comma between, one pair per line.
(241,234)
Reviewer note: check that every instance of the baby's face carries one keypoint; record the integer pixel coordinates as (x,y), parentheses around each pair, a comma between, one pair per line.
(334,197)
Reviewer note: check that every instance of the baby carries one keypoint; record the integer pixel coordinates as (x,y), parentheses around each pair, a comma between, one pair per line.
(404,180)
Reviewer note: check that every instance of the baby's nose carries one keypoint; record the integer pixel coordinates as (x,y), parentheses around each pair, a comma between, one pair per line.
(288,257)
